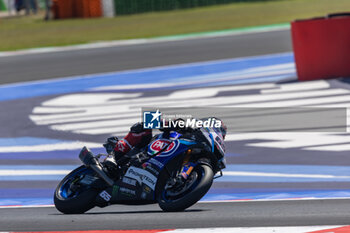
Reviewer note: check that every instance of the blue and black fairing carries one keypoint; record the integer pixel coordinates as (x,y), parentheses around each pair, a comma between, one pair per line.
(171,152)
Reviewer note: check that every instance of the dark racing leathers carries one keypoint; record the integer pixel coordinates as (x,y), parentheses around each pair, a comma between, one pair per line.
(137,137)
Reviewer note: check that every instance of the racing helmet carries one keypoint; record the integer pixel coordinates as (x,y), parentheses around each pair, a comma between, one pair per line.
(222,129)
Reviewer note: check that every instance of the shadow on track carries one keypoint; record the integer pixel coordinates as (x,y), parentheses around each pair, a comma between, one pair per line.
(134,212)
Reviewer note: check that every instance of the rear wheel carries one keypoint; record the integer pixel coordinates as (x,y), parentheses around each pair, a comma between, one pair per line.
(180,197)
(73,194)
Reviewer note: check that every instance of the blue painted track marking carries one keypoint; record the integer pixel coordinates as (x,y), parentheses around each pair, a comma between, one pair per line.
(47,155)
(146,76)
(277,195)
(33,178)
(291,169)
(28,141)
(34,193)
(286,173)
(26,201)
(37,167)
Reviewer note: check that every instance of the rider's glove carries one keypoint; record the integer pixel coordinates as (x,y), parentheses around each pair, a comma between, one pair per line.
(110,144)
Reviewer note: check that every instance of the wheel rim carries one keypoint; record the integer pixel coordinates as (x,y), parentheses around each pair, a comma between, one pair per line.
(66,191)
(197,175)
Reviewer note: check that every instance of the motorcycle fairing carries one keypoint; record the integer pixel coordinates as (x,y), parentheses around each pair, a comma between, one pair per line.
(139,182)
(126,192)
(215,139)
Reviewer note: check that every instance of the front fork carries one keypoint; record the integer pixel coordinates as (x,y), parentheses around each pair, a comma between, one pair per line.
(187,169)
(181,177)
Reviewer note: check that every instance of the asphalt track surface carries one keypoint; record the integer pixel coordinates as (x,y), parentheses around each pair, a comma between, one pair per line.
(233,214)
(89,61)
(202,215)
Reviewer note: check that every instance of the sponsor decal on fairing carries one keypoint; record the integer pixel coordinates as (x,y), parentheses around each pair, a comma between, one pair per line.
(160,144)
(105,195)
(149,167)
(142,176)
(156,163)
(127,191)
(129,181)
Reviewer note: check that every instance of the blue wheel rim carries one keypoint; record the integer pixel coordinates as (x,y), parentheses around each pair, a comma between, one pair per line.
(64,190)
(193,186)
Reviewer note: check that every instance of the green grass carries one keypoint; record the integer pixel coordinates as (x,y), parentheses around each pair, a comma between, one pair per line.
(2,6)
(29,32)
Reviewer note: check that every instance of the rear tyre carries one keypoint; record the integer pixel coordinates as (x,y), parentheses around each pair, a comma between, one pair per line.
(202,183)
(70,201)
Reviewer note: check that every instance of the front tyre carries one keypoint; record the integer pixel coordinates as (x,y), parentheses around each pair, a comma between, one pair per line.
(72,196)
(202,179)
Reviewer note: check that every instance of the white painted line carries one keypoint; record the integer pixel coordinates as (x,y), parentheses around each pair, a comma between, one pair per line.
(49,147)
(305,141)
(278,97)
(348,119)
(90,99)
(340,147)
(45,120)
(243,100)
(301,102)
(109,130)
(25,206)
(28,172)
(77,110)
(275,136)
(302,86)
(277,200)
(302,140)
(297,229)
(334,105)
(95,124)
(212,91)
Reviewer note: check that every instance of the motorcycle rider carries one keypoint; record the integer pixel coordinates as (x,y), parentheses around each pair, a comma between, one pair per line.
(138,137)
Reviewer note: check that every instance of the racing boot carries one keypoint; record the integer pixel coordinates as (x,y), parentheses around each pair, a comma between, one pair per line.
(111,164)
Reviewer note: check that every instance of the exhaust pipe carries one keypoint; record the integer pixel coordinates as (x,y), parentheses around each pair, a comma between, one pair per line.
(89,160)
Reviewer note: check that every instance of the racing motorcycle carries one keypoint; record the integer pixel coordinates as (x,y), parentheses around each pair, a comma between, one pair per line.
(176,169)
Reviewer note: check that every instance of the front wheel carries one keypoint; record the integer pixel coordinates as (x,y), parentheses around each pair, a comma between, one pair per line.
(197,185)
(73,194)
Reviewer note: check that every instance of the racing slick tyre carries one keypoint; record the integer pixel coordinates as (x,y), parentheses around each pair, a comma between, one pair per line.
(199,181)
(76,201)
